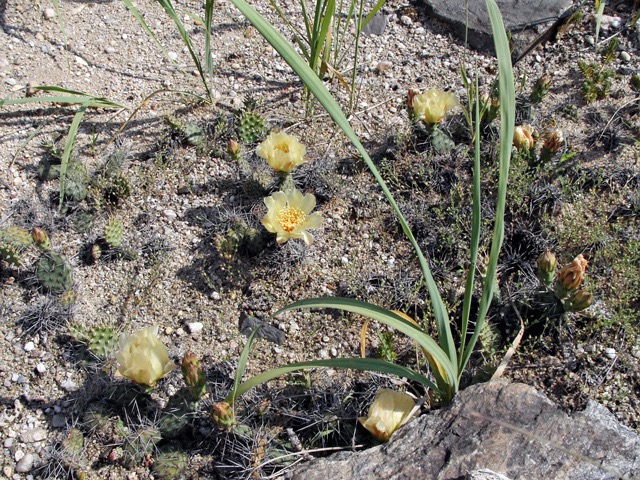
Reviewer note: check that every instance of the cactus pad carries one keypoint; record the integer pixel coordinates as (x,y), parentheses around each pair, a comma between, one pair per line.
(100,341)
(54,273)
(18,237)
(113,233)
(10,254)
(251,125)
(170,464)
(441,142)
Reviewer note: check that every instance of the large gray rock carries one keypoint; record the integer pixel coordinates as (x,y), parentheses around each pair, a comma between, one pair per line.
(507,428)
(519,16)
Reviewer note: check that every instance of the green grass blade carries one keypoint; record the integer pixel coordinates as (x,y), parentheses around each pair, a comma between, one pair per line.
(168,7)
(507,119)
(208,24)
(372,13)
(475,224)
(315,85)
(72,97)
(326,17)
(134,11)
(68,147)
(242,365)
(385,316)
(599,12)
(364,364)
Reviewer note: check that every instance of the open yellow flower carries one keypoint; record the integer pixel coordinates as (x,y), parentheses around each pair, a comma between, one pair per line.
(289,215)
(387,413)
(143,358)
(283,152)
(432,105)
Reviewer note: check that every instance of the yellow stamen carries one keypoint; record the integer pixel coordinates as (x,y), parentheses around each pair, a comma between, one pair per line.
(283,147)
(290,217)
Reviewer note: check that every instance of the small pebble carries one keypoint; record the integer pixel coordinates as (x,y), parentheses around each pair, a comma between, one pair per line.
(170,214)
(590,40)
(625,57)
(58,421)
(109,50)
(324,354)
(8,442)
(173,56)
(168,331)
(195,327)
(41,368)
(68,385)
(405,20)
(334,352)
(29,346)
(25,464)
(215,295)
(383,66)
(17,456)
(49,13)
(610,352)
(10,81)
(32,436)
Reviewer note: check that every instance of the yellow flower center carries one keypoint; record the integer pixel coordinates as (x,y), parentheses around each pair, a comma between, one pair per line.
(283,147)
(290,217)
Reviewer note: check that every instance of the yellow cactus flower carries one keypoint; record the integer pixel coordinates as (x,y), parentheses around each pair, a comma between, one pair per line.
(523,137)
(143,358)
(432,105)
(283,152)
(387,413)
(289,215)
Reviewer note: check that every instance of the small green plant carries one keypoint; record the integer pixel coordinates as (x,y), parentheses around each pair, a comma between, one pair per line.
(597,80)
(100,341)
(251,125)
(386,349)
(446,359)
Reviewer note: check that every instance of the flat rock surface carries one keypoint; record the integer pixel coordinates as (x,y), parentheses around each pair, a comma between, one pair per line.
(509,428)
(520,17)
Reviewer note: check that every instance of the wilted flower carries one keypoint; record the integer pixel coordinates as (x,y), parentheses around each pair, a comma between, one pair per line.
(283,152)
(143,358)
(523,137)
(580,300)
(554,142)
(547,267)
(288,215)
(570,276)
(387,413)
(432,105)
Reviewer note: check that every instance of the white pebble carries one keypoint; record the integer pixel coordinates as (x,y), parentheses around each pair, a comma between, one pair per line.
(25,464)
(625,57)
(173,56)
(610,352)
(109,50)
(49,13)
(170,214)
(10,81)
(195,327)
(41,368)
(405,20)
(29,346)
(81,61)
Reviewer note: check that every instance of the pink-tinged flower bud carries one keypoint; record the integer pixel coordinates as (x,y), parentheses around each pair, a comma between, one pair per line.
(193,375)
(580,300)
(570,276)
(547,267)
(223,416)
(41,238)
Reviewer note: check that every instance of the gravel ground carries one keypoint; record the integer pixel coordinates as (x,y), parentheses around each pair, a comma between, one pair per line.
(183,199)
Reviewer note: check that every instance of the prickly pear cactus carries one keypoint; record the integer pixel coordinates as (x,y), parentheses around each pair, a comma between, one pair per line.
(190,133)
(54,273)
(251,125)
(117,189)
(441,142)
(10,254)
(101,341)
(113,233)
(68,298)
(140,444)
(18,237)
(73,453)
(170,464)
(178,414)
(83,221)
(76,182)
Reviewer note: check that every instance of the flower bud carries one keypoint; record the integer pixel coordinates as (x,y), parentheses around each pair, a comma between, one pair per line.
(387,413)
(570,276)
(580,300)
(546,267)
(523,137)
(223,416)
(41,238)
(233,149)
(193,375)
